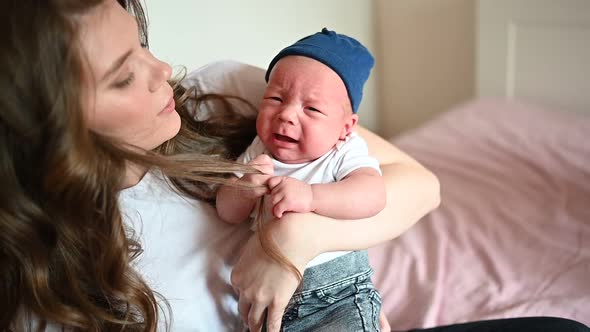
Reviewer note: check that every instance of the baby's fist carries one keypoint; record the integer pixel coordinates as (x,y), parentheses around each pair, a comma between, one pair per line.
(263,163)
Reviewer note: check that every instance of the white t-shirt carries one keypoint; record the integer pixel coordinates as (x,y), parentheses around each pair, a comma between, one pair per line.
(187,256)
(333,166)
(188,250)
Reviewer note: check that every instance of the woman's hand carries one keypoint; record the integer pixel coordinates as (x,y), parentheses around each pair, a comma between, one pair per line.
(264,285)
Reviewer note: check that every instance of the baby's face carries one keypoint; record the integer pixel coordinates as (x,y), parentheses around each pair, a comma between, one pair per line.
(305,110)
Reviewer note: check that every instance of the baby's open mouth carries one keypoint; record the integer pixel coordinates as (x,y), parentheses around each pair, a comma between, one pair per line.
(285,138)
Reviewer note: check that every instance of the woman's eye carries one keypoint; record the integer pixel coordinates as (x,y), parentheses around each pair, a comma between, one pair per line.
(126,82)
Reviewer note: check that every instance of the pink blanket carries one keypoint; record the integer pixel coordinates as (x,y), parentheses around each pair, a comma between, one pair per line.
(512,235)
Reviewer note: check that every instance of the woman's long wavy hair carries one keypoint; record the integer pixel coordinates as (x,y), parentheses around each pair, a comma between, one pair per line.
(64,252)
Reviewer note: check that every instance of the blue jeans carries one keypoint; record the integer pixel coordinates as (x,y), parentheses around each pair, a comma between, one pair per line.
(337,295)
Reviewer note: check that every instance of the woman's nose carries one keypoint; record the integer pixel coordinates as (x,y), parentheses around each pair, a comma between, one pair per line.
(160,74)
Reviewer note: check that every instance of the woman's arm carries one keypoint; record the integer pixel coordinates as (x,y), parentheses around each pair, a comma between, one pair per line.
(412,192)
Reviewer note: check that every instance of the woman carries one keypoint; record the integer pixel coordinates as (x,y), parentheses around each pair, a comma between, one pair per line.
(81,99)
(92,237)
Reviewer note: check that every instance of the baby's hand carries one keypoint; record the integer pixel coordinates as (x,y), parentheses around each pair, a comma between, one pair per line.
(264,164)
(289,195)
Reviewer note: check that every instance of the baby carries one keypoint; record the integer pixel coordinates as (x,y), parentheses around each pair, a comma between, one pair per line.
(312,161)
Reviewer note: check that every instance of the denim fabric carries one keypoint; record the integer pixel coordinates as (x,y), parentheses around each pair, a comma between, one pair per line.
(335,296)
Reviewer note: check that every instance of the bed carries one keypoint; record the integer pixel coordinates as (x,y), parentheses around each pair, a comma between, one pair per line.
(512,234)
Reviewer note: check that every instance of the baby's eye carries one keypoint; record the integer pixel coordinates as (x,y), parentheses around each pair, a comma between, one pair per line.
(273,98)
(313,109)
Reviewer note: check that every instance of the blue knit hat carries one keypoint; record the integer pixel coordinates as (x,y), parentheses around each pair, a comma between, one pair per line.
(345,55)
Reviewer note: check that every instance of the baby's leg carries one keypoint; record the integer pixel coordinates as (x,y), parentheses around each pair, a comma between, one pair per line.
(337,296)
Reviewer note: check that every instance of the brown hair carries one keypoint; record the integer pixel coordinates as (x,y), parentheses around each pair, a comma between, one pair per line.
(64,252)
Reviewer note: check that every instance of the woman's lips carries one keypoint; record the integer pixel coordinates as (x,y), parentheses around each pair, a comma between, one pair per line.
(169,107)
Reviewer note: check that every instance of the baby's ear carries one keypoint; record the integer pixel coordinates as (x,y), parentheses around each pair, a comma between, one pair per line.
(349,125)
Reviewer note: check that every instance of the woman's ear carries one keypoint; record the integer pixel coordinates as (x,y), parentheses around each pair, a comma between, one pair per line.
(349,125)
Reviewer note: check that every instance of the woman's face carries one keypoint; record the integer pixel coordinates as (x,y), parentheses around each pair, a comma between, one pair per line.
(128,96)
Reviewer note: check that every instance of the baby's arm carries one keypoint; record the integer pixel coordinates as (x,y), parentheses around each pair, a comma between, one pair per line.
(361,194)
(358,192)
(235,202)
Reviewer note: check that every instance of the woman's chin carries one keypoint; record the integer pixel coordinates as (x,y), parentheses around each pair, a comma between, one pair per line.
(172,125)
(167,129)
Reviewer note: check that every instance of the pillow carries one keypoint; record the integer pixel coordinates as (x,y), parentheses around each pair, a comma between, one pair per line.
(230,78)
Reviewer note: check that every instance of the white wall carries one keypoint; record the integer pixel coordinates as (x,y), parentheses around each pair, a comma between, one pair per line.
(195,32)
(539,55)
(426,52)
